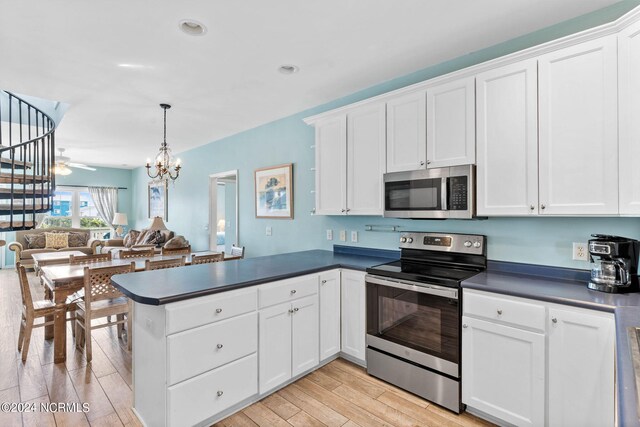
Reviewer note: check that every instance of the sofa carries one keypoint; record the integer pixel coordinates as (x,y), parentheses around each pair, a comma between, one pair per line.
(135,239)
(29,242)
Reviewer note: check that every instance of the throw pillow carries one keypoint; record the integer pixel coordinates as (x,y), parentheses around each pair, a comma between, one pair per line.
(176,242)
(140,240)
(56,240)
(77,239)
(153,237)
(130,238)
(35,241)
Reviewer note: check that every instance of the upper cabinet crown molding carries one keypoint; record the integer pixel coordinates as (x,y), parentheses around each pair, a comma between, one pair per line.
(609,28)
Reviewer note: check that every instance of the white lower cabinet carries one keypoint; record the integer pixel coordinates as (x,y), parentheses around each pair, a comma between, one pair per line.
(330,319)
(353,315)
(503,371)
(505,361)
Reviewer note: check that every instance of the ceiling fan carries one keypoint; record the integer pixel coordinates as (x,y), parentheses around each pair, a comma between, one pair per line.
(63,163)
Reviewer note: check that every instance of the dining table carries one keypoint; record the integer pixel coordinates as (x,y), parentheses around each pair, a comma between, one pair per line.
(62,280)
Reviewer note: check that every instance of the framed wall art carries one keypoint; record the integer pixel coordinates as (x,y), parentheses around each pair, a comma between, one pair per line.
(274,192)
(158,199)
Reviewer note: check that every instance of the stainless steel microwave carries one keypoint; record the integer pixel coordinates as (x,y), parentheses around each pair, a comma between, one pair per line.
(438,193)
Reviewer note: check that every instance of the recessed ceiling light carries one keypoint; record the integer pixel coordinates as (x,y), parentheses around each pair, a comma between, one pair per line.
(288,69)
(193,28)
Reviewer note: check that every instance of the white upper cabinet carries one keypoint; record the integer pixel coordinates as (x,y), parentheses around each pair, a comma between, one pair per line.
(407,132)
(331,166)
(629,101)
(451,136)
(507,140)
(578,125)
(366,159)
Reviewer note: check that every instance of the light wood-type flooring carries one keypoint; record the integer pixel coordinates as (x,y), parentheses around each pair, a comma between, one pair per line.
(338,394)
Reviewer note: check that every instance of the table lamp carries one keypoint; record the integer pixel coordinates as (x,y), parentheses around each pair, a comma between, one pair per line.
(157,224)
(119,219)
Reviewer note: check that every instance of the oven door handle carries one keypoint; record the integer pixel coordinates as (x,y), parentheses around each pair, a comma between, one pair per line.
(423,288)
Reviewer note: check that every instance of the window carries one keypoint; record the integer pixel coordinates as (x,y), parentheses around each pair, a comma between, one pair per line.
(73,207)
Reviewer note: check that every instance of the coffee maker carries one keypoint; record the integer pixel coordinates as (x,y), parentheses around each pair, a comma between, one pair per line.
(614,263)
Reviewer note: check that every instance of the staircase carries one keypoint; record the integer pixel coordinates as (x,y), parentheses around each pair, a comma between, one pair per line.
(27,154)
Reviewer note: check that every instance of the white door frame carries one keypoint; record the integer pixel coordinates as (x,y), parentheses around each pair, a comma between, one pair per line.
(213,207)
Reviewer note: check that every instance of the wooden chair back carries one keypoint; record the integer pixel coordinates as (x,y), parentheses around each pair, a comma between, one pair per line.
(176,251)
(137,253)
(206,259)
(88,259)
(165,263)
(97,282)
(237,251)
(25,290)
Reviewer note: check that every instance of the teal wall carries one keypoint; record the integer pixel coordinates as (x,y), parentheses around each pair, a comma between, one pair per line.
(288,140)
(105,177)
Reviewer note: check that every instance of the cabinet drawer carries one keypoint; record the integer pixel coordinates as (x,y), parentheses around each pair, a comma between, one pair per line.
(198,350)
(508,310)
(204,396)
(200,311)
(287,290)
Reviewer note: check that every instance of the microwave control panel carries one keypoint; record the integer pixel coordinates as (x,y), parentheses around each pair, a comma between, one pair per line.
(458,197)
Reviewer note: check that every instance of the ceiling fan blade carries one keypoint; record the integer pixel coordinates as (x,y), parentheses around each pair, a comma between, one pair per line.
(81,166)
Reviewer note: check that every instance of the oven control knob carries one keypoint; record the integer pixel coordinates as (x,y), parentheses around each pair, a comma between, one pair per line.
(403,239)
(476,244)
(409,239)
(467,244)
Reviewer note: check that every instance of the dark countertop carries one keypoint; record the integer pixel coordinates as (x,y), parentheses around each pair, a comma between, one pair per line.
(176,284)
(626,308)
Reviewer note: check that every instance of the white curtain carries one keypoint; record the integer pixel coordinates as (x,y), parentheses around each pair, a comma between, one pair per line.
(105,200)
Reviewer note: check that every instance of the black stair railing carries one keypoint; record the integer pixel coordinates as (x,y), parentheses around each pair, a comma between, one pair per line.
(27,157)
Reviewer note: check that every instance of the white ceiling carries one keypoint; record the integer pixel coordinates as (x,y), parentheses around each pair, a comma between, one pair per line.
(227,81)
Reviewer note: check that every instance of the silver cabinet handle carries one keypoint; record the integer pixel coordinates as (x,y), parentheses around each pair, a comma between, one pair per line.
(421,162)
(532,207)
(554,320)
(543,207)
(219,346)
(296,309)
(342,210)
(290,311)
(464,325)
(324,281)
(218,310)
(293,291)
(499,312)
(428,162)
(220,393)
(348,210)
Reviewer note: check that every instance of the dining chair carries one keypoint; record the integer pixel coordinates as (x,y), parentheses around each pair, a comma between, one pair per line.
(87,259)
(164,263)
(32,310)
(137,253)
(206,259)
(102,299)
(176,251)
(237,251)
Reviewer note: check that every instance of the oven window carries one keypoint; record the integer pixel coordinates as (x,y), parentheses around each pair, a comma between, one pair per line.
(423,322)
(415,195)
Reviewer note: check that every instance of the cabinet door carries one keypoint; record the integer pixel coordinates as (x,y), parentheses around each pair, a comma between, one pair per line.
(579,129)
(407,132)
(331,166)
(329,314)
(365,160)
(581,368)
(503,371)
(353,314)
(305,335)
(507,121)
(629,93)
(275,346)
(451,125)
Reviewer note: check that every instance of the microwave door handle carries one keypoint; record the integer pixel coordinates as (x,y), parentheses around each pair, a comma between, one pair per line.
(443,193)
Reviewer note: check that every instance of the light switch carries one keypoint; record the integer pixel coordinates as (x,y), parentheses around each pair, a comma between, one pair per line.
(354,236)
(268,231)
(343,235)
(329,234)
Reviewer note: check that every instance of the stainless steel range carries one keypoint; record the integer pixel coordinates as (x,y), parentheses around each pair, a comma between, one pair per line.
(414,307)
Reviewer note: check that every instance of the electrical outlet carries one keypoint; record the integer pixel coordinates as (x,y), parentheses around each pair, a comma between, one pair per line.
(580,252)
(343,235)
(354,236)
(329,234)
(268,231)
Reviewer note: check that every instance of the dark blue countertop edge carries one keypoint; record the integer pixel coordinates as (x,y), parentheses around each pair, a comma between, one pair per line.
(368,252)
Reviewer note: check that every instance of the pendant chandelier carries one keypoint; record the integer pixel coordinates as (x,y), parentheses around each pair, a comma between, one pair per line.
(166,166)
